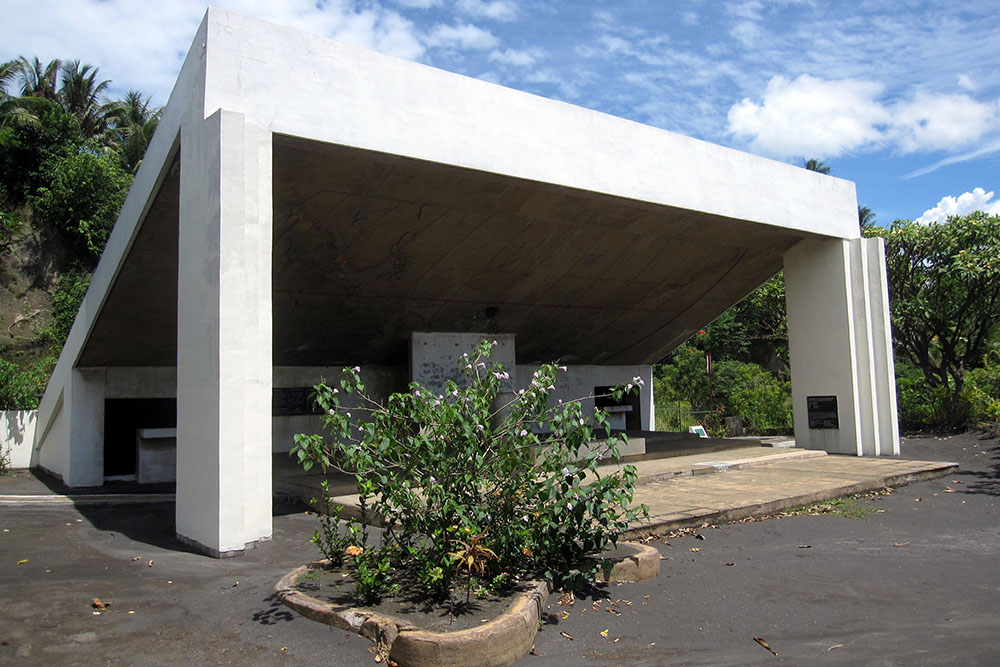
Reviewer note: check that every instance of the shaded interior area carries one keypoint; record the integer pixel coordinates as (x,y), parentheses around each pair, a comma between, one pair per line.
(368,247)
(122,418)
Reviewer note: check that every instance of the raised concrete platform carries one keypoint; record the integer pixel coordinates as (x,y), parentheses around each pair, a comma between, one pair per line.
(753,486)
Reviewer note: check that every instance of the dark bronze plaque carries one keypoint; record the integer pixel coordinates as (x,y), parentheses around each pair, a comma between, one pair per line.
(287,401)
(822,412)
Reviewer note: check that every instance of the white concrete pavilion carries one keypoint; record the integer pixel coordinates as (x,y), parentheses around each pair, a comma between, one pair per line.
(307,204)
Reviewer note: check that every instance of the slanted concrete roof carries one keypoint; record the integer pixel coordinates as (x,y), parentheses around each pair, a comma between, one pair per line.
(407,198)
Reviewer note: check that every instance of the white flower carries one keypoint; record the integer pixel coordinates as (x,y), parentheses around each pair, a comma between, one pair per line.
(565,472)
(562,368)
(432,480)
(494,343)
(468,367)
(331,411)
(357,369)
(581,422)
(437,403)
(560,401)
(479,427)
(525,518)
(569,506)
(455,393)
(416,393)
(348,414)
(524,432)
(336,391)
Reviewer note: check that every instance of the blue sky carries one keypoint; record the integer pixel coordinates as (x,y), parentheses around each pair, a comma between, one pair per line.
(902,97)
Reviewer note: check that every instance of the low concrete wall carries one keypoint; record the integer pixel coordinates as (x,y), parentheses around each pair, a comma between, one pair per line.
(18,435)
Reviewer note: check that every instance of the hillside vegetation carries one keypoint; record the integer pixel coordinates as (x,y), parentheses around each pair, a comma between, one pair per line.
(67,157)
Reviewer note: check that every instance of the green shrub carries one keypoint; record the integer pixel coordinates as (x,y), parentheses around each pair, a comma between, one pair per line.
(983,394)
(19,390)
(469,466)
(66,302)
(762,401)
(82,196)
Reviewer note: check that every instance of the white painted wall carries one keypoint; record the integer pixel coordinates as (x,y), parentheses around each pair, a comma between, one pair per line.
(17,435)
(840,345)
(578,382)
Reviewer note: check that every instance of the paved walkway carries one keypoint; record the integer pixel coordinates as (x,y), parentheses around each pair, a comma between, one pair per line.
(680,491)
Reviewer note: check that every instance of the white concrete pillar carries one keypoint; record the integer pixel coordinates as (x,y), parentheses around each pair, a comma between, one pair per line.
(840,346)
(224,335)
(86,428)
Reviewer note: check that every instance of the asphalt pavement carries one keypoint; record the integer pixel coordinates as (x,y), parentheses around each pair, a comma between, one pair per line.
(915,583)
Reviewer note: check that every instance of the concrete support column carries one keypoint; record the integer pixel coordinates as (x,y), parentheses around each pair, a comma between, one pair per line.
(224,335)
(840,346)
(86,428)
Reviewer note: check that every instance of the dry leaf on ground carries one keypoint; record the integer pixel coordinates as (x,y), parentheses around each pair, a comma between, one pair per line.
(762,642)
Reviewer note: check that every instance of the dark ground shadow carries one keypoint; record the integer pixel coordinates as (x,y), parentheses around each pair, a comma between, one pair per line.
(276,612)
(984,481)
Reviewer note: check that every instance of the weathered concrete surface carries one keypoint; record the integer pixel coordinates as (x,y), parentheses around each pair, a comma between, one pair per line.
(788,479)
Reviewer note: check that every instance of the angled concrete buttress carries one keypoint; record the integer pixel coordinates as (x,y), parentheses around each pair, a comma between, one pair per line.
(271,237)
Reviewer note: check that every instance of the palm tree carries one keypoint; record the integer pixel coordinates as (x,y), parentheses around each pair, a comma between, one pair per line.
(866,217)
(8,71)
(132,122)
(816,165)
(79,97)
(38,80)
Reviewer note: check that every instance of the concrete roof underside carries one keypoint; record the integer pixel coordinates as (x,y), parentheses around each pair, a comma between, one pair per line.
(368,247)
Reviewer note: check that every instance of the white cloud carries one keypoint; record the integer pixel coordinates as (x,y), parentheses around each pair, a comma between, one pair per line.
(934,122)
(689,18)
(969,202)
(810,117)
(465,36)
(419,4)
(142,44)
(518,57)
(496,10)
(966,81)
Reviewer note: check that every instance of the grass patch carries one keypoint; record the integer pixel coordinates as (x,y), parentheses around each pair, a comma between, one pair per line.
(848,507)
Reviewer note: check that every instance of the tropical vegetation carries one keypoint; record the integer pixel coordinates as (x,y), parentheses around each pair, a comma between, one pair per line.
(68,153)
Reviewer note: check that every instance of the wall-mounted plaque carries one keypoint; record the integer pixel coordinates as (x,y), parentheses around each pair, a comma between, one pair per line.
(286,401)
(822,412)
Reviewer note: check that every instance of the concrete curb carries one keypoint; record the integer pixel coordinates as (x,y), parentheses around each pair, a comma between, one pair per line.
(502,641)
(758,509)
(630,561)
(88,499)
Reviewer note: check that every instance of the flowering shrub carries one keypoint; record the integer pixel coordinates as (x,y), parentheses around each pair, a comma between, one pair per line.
(509,473)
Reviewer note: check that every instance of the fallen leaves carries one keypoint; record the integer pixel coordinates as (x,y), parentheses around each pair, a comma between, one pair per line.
(762,642)
(22,561)
(604,632)
(567,635)
(899,544)
(835,646)
(805,546)
(567,599)
(695,549)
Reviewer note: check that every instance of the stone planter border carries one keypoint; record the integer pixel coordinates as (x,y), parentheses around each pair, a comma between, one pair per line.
(502,641)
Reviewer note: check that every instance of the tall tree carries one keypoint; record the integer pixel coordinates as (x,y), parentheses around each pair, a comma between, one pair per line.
(38,80)
(132,121)
(944,289)
(80,94)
